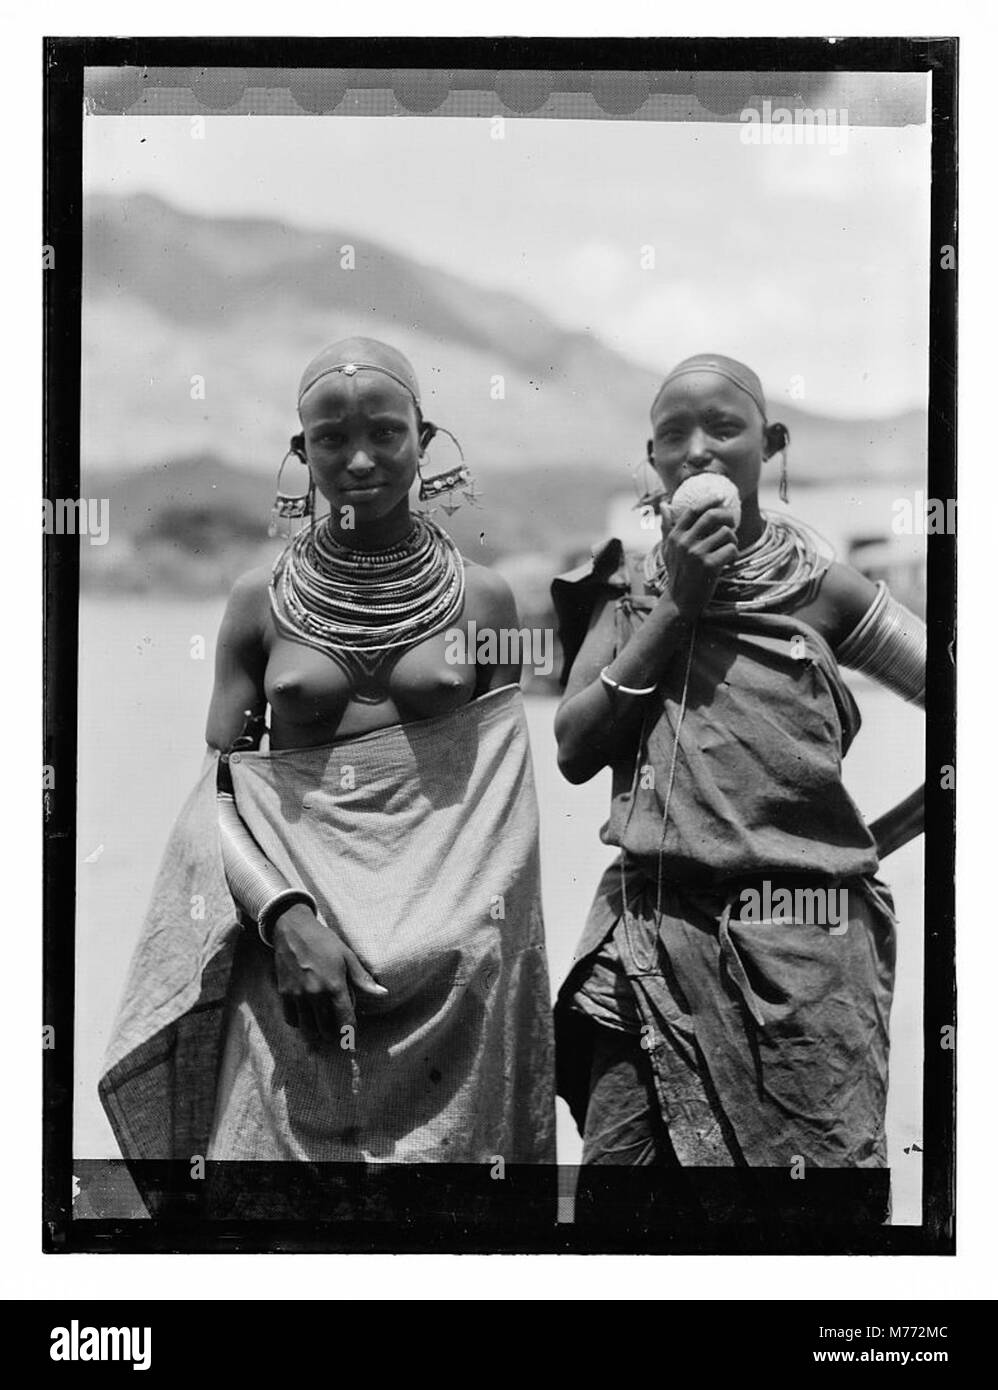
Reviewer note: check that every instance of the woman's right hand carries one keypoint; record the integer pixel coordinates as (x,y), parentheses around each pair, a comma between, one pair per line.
(318,976)
(698,548)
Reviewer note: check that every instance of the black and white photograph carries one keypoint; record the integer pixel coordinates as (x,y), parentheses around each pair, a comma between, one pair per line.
(500,738)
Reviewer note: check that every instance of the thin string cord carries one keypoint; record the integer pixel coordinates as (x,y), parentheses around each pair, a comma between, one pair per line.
(783,563)
(648,965)
(672,776)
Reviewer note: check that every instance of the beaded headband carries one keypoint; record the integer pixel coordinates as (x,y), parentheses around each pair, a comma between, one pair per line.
(735,372)
(351,369)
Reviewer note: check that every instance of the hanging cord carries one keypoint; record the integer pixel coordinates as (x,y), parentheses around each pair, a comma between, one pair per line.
(782,564)
(642,748)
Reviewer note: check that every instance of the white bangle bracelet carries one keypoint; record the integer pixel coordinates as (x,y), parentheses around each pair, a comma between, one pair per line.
(617,688)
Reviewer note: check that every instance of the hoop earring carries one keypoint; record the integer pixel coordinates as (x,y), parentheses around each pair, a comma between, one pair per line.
(457,477)
(291,506)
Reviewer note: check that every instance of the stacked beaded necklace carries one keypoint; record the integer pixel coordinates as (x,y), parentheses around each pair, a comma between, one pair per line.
(781,564)
(364,608)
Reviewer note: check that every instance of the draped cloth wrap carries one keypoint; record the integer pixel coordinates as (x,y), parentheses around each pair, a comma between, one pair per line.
(768,1039)
(420,842)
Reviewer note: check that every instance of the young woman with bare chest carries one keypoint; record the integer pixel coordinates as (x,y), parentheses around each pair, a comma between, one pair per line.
(390,1000)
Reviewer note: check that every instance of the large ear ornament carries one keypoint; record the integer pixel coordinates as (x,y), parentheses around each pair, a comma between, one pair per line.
(777,438)
(292,506)
(441,486)
(778,442)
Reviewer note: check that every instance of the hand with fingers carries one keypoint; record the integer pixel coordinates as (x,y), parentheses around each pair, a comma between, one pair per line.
(698,547)
(321,981)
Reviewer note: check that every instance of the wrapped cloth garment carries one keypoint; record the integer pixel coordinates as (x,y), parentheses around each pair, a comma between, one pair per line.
(763,725)
(767,1039)
(420,842)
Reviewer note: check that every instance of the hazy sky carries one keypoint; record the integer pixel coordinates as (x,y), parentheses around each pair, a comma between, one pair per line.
(809,264)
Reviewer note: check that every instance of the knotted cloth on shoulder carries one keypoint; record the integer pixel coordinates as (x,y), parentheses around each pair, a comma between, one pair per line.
(576,593)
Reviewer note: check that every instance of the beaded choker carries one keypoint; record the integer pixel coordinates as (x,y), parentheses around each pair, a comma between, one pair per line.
(364,608)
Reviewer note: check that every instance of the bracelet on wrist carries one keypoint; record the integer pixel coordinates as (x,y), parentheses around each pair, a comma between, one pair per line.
(266,921)
(619,689)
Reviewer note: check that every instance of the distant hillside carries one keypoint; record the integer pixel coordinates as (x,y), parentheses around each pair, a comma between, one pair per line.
(244,303)
(197,524)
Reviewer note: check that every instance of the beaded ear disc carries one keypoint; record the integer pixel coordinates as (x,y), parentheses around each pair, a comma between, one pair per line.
(458,477)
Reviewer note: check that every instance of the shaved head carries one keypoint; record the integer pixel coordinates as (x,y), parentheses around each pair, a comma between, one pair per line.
(728,367)
(363,354)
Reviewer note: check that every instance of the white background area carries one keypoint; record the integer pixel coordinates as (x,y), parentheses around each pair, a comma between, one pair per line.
(29,1274)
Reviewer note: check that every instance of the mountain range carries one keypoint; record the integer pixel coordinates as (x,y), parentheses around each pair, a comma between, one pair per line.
(195,331)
